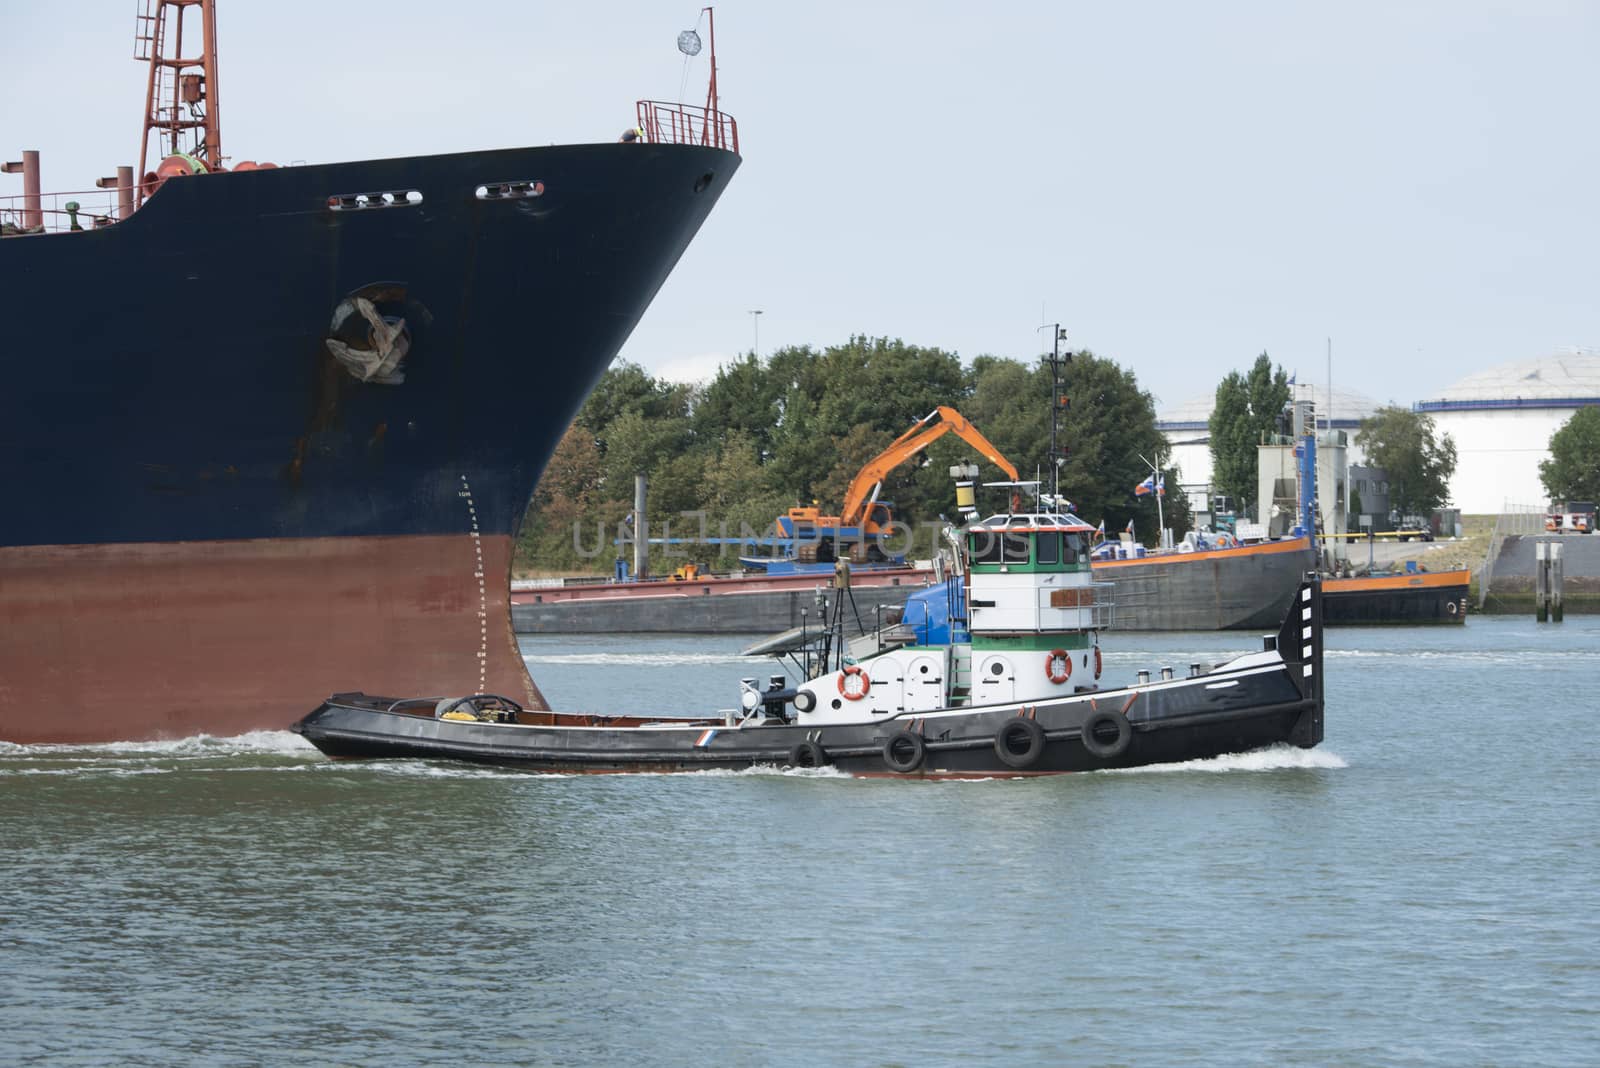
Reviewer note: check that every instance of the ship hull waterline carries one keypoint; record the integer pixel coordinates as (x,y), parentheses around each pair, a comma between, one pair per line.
(221,638)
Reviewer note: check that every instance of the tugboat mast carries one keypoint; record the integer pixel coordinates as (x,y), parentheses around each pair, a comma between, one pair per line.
(1058,404)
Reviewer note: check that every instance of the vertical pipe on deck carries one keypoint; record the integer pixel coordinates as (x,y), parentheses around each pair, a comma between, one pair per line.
(124,192)
(32,208)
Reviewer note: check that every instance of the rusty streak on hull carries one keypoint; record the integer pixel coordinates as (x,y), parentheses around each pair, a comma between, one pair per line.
(138,641)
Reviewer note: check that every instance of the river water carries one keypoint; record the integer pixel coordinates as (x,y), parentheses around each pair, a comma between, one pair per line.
(1420,890)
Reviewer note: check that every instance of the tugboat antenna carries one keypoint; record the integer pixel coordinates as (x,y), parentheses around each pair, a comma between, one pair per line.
(181,94)
(1058,454)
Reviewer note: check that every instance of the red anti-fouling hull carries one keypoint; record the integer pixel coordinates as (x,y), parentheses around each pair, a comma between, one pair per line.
(109,642)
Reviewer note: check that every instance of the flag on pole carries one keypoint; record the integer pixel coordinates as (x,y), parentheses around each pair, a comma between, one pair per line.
(1100,534)
(1153,483)
(1130,526)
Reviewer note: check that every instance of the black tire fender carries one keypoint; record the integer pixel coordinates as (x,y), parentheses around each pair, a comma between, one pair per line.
(1019,743)
(903,751)
(1097,721)
(807,754)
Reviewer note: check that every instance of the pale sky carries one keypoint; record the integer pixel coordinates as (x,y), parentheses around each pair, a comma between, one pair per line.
(1182,185)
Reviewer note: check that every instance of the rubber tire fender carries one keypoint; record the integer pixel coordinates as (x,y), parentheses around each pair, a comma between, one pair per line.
(1113,748)
(903,751)
(807,754)
(1030,754)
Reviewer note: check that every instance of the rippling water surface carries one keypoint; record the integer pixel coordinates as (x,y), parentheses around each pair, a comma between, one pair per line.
(1421,890)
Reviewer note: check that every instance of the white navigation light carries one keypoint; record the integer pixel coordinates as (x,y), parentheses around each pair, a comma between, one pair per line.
(689,43)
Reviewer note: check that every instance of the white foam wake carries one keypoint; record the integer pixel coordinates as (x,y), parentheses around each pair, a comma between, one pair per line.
(198,745)
(1272,758)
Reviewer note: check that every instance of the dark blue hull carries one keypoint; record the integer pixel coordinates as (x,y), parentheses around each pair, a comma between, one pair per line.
(167,378)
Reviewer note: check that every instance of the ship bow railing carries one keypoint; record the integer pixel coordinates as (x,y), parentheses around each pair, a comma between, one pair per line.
(666,123)
(52,213)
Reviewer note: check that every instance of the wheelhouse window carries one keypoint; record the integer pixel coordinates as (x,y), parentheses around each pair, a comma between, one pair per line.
(1048,545)
(984,546)
(997,547)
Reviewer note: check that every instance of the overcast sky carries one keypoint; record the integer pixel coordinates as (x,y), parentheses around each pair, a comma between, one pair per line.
(1182,185)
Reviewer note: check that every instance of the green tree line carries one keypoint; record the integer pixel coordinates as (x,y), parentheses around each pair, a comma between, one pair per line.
(793,428)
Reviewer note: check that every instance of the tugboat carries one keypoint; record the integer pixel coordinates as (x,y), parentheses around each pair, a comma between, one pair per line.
(1011,686)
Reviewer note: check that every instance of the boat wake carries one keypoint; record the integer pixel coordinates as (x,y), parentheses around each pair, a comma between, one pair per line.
(1477,656)
(148,757)
(204,745)
(1272,758)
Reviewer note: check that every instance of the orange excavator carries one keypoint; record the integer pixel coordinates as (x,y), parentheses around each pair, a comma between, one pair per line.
(864,520)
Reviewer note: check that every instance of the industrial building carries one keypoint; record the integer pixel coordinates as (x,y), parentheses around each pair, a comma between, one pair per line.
(1501,420)
(1188,432)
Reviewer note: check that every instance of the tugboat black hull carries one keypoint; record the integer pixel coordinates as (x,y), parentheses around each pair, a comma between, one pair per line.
(1266,698)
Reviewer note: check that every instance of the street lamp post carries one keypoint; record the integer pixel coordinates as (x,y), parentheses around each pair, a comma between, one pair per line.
(755,326)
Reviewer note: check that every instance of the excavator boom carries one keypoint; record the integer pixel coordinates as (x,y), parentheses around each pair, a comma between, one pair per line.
(942,420)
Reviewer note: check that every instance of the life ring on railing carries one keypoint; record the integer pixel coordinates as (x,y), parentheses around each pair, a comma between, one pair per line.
(849,693)
(1099,665)
(1451,606)
(1051,659)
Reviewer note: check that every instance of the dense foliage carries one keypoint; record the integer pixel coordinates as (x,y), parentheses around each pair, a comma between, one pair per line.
(1573,471)
(765,435)
(1247,407)
(1402,442)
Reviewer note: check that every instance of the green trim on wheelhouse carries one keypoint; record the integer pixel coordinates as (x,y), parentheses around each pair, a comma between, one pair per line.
(994,551)
(1031,643)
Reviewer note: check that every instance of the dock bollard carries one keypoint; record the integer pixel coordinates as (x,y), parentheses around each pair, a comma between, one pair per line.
(1557,567)
(1547,577)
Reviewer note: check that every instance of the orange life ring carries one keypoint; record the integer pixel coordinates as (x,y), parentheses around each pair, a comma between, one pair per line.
(1099,665)
(854,671)
(1050,660)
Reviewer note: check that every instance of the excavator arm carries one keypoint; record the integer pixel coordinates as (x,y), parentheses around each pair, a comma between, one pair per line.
(942,420)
